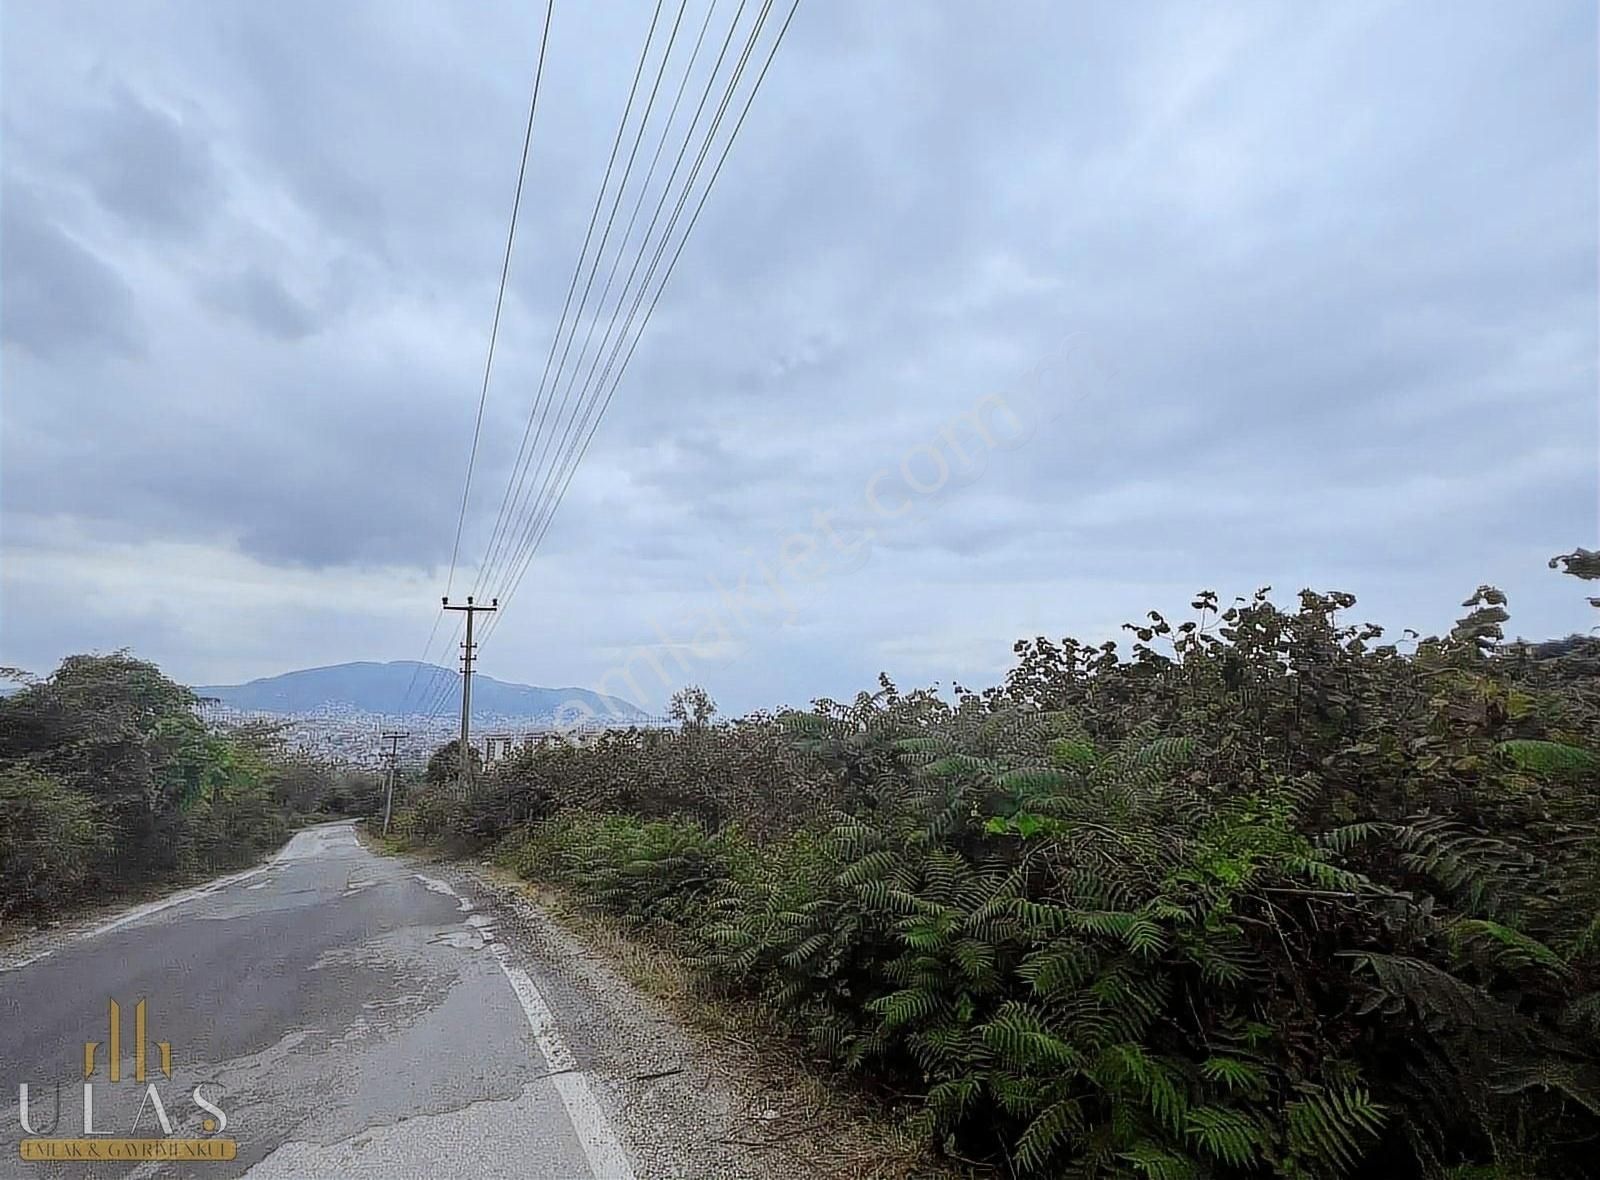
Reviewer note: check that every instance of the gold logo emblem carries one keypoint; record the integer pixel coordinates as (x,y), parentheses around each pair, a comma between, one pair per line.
(90,1048)
(102,1145)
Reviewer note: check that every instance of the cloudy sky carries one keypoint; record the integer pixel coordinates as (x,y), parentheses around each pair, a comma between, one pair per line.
(1258,294)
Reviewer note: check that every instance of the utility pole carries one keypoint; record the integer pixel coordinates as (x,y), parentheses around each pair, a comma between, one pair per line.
(394,759)
(467,650)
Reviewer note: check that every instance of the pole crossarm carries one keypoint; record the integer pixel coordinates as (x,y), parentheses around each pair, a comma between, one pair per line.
(393,737)
(468,648)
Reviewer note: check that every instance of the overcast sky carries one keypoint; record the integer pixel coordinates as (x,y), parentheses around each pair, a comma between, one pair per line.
(1270,294)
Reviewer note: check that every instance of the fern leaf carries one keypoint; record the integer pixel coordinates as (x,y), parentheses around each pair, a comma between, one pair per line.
(1166,753)
(1510,948)
(1581,1083)
(908,1006)
(1541,757)
(1047,1132)
(1234,1073)
(1223,1133)
(1059,969)
(1077,753)
(1334,1126)
(1020,1035)
(1159,1163)
(1033,780)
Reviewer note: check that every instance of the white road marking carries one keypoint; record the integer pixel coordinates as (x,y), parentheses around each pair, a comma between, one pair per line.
(601,1147)
(155,907)
(21,963)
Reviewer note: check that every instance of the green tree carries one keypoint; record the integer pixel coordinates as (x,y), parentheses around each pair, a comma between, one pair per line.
(50,837)
(692,706)
(444,765)
(107,761)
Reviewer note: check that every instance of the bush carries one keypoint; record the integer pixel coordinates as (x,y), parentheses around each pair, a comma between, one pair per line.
(108,780)
(1269,897)
(655,871)
(49,840)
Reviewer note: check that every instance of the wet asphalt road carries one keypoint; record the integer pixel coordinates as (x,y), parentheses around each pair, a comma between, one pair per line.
(351,1016)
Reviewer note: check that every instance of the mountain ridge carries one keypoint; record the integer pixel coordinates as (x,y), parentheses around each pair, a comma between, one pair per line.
(371,686)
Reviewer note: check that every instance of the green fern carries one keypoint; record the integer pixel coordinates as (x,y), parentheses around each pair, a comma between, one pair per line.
(1074,753)
(1333,1127)
(1020,1035)
(1226,1134)
(1508,948)
(1160,1163)
(1579,1082)
(1049,1130)
(908,1006)
(1033,780)
(1542,757)
(1234,1074)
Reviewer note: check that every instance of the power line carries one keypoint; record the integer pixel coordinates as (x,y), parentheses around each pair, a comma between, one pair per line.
(572,466)
(405,701)
(694,218)
(500,295)
(594,218)
(588,284)
(433,684)
(527,512)
(494,332)
(442,687)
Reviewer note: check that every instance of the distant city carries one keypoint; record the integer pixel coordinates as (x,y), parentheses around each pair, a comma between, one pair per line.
(339,713)
(352,737)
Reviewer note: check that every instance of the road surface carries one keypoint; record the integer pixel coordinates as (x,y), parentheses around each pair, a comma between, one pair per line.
(349,1014)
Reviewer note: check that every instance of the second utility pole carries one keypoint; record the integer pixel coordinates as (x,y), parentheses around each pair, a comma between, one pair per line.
(466,686)
(394,759)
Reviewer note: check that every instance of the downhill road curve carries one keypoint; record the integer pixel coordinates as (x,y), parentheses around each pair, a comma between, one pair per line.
(351,1015)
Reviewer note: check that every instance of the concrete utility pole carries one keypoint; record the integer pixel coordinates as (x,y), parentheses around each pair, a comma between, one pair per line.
(394,759)
(467,649)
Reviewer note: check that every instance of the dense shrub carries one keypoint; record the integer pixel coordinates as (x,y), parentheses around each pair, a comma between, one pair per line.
(748,773)
(49,839)
(1268,897)
(652,870)
(109,781)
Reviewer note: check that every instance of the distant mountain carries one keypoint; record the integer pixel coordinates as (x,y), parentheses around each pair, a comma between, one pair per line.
(384,688)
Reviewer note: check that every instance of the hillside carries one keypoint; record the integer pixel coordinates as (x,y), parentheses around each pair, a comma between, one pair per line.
(382,688)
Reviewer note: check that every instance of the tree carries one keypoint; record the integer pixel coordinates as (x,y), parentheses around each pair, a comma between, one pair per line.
(117,730)
(108,778)
(445,765)
(692,706)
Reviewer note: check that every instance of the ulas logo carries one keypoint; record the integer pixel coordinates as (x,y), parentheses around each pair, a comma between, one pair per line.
(169,1147)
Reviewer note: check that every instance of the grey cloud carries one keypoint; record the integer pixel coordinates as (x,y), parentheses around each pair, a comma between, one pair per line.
(262,300)
(58,300)
(1338,263)
(150,167)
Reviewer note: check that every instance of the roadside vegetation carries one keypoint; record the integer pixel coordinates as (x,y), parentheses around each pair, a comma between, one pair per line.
(1266,895)
(110,785)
